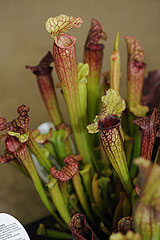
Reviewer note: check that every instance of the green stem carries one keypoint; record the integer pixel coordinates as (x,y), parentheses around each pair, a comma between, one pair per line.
(57,235)
(49,146)
(97,193)
(36,150)
(64,190)
(115,152)
(86,176)
(118,209)
(94,59)
(66,66)
(131,126)
(24,157)
(115,66)
(61,144)
(157,155)
(103,88)
(128,146)
(103,184)
(126,207)
(42,231)
(135,154)
(74,202)
(81,195)
(82,72)
(104,228)
(58,200)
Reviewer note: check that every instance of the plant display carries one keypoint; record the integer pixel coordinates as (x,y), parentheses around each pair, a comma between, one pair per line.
(104,184)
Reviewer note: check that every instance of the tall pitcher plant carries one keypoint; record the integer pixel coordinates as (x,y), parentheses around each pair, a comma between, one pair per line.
(94,189)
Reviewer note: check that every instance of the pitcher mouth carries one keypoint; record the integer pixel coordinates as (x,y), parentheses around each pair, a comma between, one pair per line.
(65,41)
(109,122)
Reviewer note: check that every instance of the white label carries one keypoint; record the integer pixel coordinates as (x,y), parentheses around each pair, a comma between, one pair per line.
(11,228)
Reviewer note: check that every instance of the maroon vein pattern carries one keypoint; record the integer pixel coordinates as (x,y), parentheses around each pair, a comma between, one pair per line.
(66,66)
(20,124)
(94,60)
(136,70)
(6,157)
(149,127)
(62,23)
(3,123)
(80,228)
(67,172)
(13,145)
(125,224)
(15,149)
(18,150)
(95,34)
(45,83)
(93,55)
(112,142)
(43,68)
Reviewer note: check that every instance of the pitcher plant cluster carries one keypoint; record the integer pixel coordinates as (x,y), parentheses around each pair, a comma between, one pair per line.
(109,188)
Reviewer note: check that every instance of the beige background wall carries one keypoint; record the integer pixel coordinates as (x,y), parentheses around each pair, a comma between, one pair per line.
(24,40)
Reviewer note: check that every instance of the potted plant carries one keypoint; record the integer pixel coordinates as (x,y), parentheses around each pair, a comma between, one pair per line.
(105,183)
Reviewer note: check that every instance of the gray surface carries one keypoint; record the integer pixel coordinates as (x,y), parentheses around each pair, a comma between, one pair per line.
(24,40)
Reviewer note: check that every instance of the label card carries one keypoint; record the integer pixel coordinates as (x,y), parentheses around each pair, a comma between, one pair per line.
(11,228)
